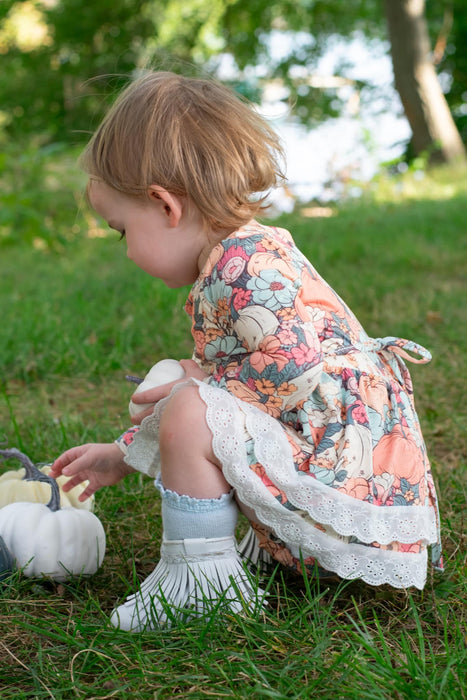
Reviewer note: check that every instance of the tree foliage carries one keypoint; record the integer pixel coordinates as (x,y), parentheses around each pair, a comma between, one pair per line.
(248,25)
(51,88)
(57,87)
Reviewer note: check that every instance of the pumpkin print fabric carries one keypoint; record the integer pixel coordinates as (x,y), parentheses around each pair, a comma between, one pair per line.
(313,421)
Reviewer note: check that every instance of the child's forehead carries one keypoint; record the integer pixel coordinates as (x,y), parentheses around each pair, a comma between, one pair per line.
(95,193)
(94,188)
(97,189)
(104,199)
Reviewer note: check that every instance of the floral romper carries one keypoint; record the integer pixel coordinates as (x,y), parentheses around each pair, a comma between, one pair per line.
(312,420)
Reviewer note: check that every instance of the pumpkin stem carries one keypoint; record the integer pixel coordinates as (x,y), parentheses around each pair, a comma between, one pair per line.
(132,378)
(34,474)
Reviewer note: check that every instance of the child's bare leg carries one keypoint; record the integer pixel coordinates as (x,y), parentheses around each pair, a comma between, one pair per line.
(188,464)
(184,431)
(199,558)
(196,499)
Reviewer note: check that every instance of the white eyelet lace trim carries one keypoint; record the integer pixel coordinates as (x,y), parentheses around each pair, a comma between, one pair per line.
(227,418)
(346,515)
(340,514)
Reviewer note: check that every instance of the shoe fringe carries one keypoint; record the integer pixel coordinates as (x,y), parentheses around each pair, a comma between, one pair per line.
(192,578)
(258,560)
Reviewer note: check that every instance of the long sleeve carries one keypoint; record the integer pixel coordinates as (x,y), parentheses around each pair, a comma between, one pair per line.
(126,439)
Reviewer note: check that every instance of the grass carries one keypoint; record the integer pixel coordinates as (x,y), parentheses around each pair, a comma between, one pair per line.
(77,316)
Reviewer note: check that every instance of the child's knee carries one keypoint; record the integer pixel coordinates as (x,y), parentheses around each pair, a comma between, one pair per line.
(184,418)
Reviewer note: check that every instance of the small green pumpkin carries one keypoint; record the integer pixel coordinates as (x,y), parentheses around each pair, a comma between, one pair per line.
(7,563)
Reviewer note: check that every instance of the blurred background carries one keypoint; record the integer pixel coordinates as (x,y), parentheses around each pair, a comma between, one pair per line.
(354,89)
(370,98)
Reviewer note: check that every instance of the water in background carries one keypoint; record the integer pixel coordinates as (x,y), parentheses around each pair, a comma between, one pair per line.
(331,159)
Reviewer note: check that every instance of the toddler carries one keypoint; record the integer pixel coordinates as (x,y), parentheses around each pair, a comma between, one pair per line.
(287,410)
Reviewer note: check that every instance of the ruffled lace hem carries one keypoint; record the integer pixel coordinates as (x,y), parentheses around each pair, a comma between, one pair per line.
(228,417)
(317,505)
(346,515)
(372,565)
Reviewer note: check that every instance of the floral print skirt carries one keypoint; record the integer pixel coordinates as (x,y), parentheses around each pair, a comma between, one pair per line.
(298,518)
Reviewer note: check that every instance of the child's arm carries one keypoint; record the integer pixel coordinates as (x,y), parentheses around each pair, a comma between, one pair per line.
(99,463)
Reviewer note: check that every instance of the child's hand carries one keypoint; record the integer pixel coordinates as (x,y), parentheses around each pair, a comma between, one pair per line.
(152,396)
(101,464)
(193,370)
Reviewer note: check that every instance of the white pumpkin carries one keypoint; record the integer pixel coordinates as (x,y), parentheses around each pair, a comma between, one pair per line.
(48,541)
(163,372)
(54,544)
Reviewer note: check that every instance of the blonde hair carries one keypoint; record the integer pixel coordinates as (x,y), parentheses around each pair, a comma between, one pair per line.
(193,137)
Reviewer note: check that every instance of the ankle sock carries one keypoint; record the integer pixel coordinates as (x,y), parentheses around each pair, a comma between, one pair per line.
(184,517)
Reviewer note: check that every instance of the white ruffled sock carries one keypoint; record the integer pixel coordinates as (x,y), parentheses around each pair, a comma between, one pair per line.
(185,517)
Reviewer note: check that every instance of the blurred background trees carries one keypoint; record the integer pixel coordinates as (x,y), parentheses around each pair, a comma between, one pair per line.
(60,59)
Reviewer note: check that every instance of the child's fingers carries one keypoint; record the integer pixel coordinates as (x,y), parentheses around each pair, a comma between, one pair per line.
(76,466)
(76,463)
(138,417)
(87,493)
(76,481)
(192,369)
(73,481)
(57,467)
(152,395)
(64,460)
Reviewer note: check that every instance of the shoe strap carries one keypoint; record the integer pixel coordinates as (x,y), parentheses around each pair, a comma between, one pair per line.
(199,546)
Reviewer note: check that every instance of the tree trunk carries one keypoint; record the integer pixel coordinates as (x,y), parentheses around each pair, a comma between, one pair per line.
(433,128)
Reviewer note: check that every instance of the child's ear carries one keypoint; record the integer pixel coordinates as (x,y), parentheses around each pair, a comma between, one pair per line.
(172,203)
